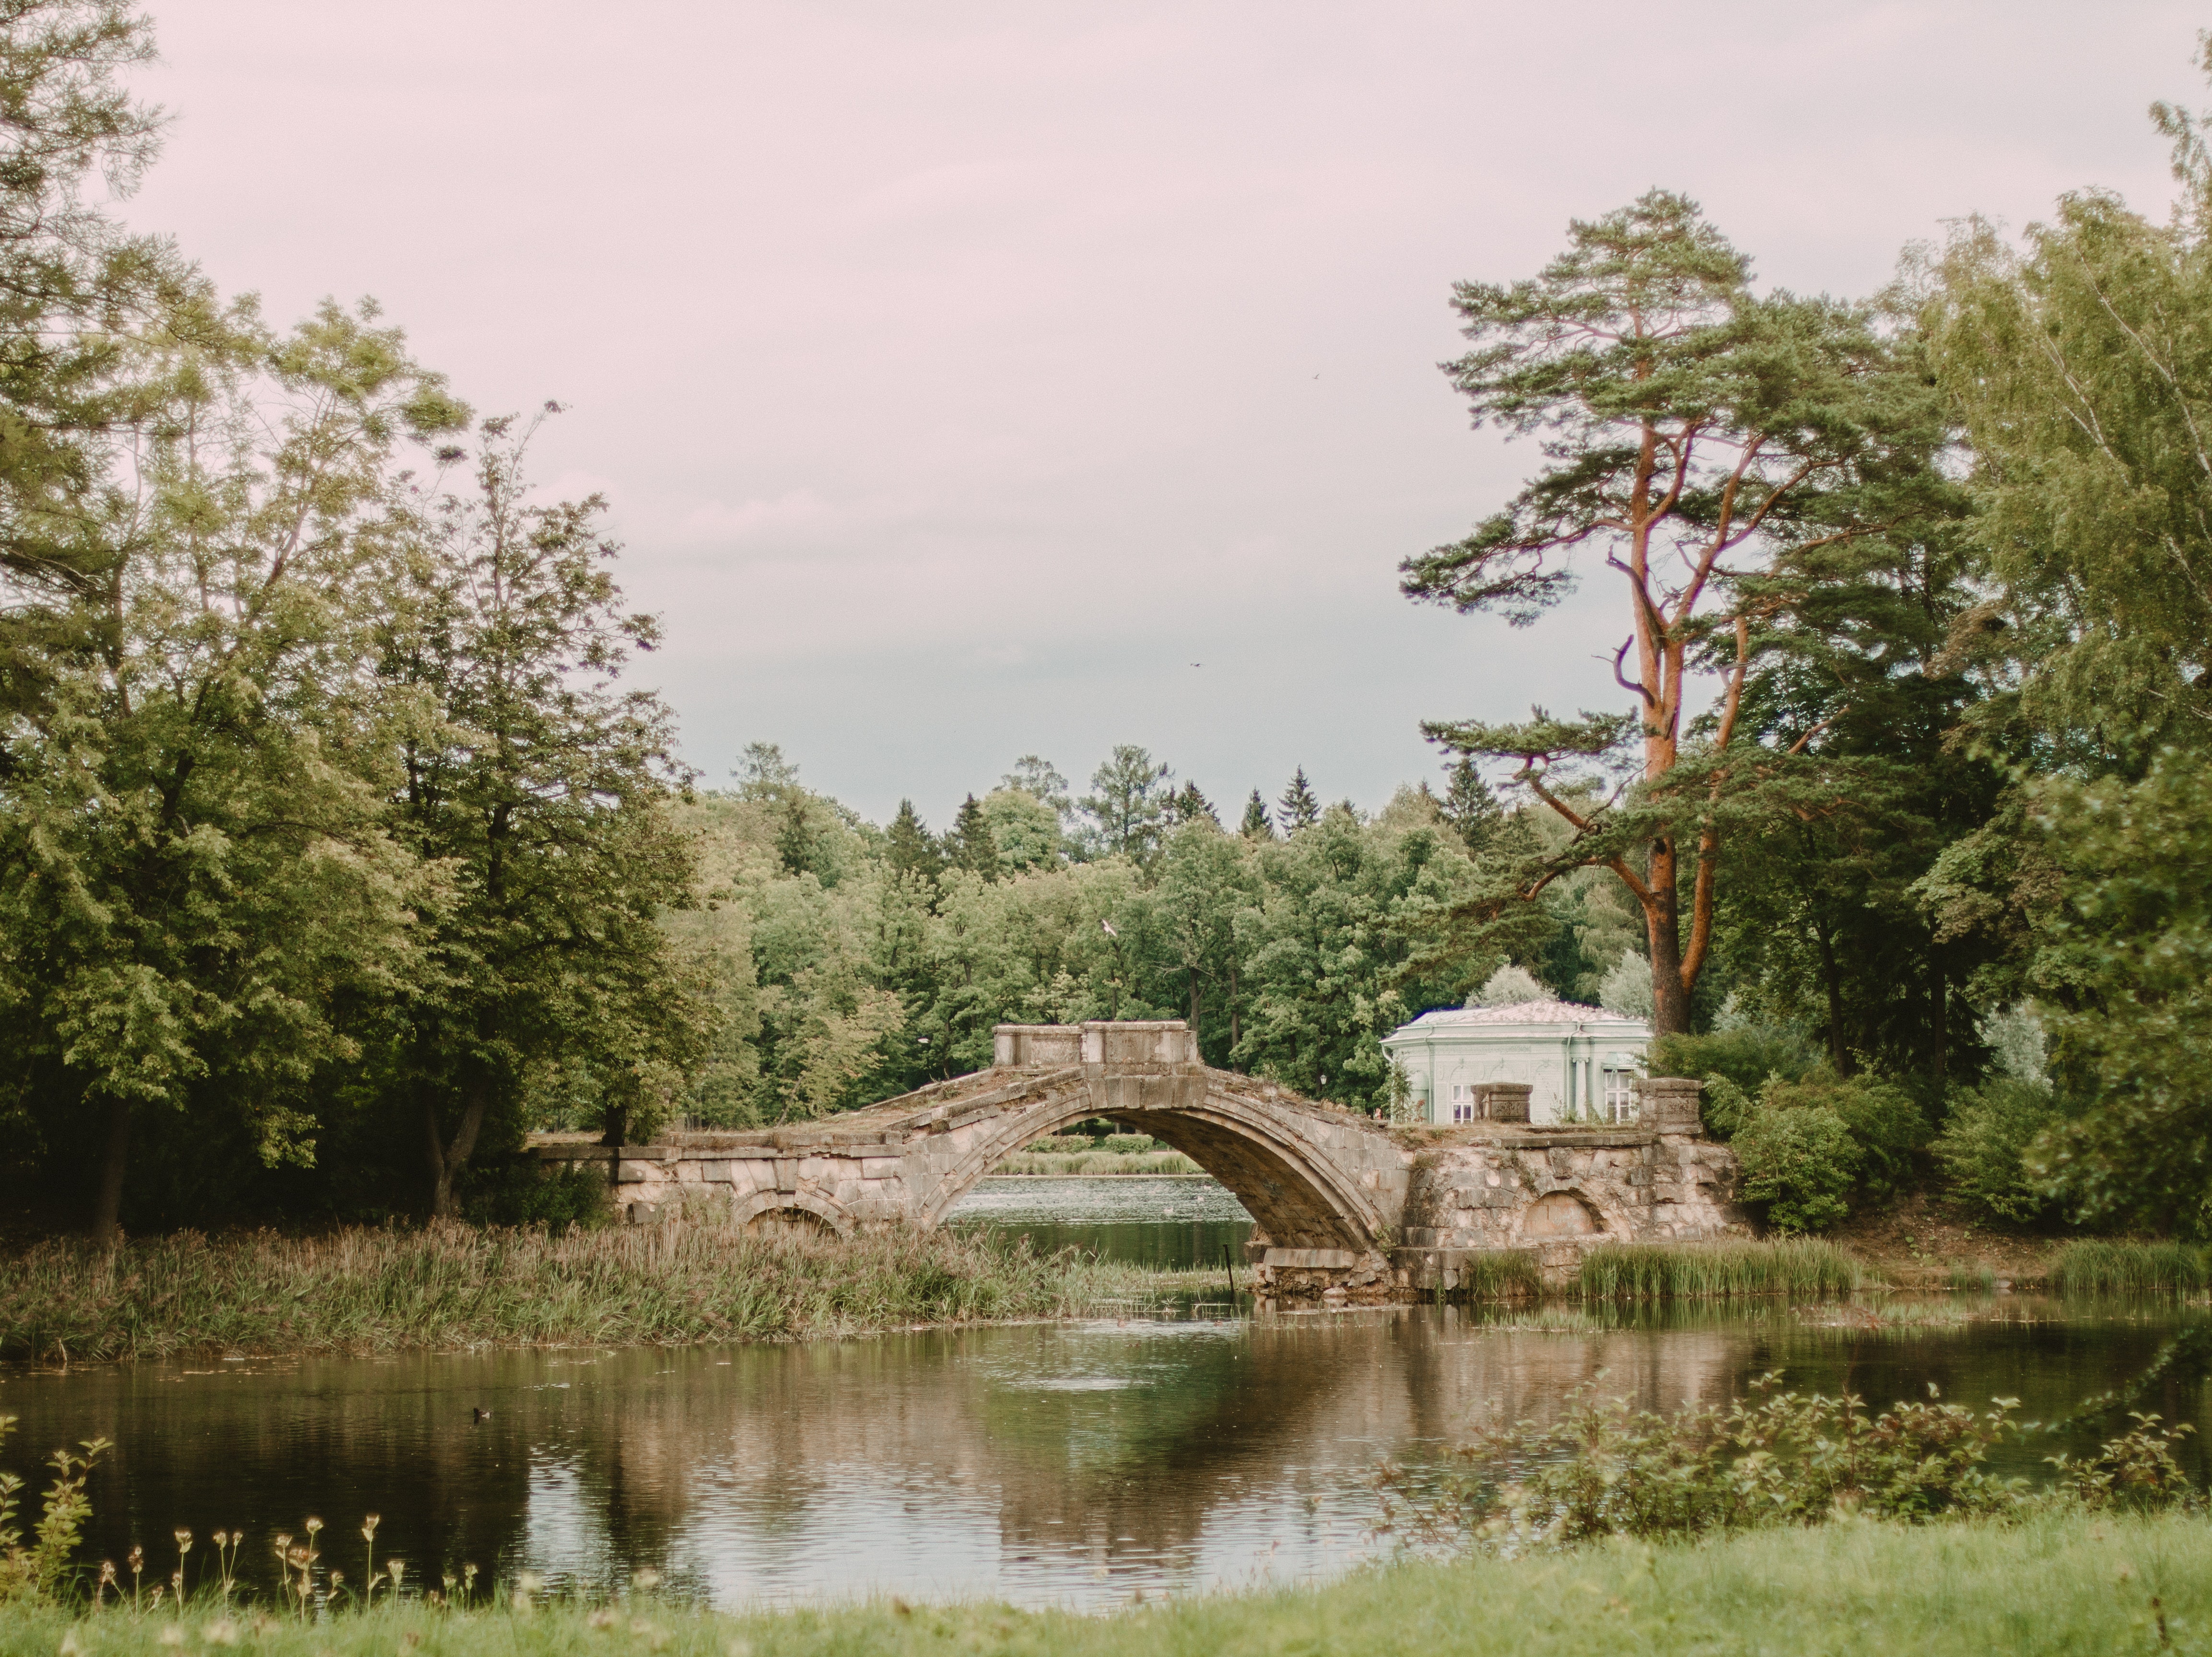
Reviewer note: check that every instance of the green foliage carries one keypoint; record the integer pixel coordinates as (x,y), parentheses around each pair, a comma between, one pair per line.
(1300,805)
(1774,1458)
(39,1571)
(1024,830)
(512,1191)
(1800,1163)
(2125,972)
(539,789)
(1984,1148)
(1129,805)
(1884,1123)
(1747,1054)
(1257,824)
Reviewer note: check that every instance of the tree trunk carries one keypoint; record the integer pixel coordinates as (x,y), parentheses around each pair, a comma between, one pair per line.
(448,1159)
(1662,924)
(107,1210)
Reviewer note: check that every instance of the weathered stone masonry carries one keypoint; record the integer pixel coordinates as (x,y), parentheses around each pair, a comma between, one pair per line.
(1341,1204)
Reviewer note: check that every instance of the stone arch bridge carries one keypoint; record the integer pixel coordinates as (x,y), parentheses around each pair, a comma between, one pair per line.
(1338,1200)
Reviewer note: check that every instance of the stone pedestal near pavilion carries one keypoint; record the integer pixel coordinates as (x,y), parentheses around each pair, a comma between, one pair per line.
(1556,1191)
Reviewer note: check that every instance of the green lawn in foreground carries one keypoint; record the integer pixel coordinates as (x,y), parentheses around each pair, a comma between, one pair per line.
(2069,1584)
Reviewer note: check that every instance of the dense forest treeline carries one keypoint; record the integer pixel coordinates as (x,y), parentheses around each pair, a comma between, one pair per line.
(337,850)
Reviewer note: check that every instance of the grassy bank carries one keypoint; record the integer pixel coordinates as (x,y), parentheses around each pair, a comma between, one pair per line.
(372,1290)
(2073,1584)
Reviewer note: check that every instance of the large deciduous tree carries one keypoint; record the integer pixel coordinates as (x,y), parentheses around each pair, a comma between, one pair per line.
(199,881)
(538,786)
(1689,427)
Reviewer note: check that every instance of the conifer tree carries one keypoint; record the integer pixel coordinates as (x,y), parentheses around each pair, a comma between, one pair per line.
(1187,805)
(1691,428)
(1469,806)
(971,845)
(912,850)
(1257,824)
(1301,806)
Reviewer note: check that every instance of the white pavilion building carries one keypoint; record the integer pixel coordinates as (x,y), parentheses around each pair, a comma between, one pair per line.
(1577,1061)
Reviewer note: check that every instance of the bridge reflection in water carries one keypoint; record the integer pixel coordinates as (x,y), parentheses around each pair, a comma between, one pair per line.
(1048,1463)
(1059,1463)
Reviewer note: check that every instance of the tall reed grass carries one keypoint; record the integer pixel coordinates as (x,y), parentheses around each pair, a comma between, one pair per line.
(1500,1274)
(2095,1267)
(1798,1266)
(677,1284)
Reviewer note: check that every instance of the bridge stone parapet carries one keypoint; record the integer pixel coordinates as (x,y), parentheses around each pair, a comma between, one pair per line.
(1333,1194)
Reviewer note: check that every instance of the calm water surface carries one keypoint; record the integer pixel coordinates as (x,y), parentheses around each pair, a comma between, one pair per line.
(1171,1222)
(1075,1464)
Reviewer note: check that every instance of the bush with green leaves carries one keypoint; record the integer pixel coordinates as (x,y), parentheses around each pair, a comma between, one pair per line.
(1801,1163)
(1746,1055)
(1884,1122)
(1982,1148)
(36,1570)
(1772,1458)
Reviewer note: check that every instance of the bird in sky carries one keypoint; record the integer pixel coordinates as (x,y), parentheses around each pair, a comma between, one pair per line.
(1108,925)
(1198,664)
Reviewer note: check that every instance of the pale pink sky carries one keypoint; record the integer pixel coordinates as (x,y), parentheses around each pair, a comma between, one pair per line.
(960,373)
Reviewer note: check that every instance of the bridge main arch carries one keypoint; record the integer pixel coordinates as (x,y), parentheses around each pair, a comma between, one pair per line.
(1313,1177)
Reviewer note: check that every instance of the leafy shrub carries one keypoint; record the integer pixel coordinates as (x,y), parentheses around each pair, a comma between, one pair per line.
(1725,1107)
(37,1572)
(1884,1122)
(1746,1055)
(1130,1145)
(513,1191)
(2134,1472)
(1777,1458)
(1801,1163)
(1982,1145)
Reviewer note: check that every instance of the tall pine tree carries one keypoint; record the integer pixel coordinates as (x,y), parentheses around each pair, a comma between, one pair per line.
(913,851)
(1469,806)
(1257,824)
(1301,806)
(971,845)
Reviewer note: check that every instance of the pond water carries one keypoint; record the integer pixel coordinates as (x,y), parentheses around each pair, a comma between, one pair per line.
(1077,1464)
(1171,1222)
